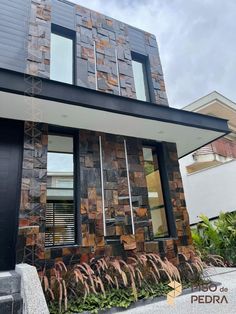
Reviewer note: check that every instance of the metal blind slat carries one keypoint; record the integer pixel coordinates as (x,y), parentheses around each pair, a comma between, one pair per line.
(60,224)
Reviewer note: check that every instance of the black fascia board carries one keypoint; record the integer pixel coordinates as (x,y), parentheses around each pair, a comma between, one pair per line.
(28,85)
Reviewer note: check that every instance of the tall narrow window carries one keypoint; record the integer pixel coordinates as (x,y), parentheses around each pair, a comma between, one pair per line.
(60,211)
(140,78)
(155,195)
(61,65)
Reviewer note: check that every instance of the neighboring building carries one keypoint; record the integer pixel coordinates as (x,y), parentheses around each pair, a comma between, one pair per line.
(82,96)
(209,173)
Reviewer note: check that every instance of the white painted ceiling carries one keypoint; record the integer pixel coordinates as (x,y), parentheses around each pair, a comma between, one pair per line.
(21,107)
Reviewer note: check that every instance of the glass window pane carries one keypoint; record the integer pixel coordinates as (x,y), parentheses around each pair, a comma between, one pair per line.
(61,66)
(139,80)
(155,195)
(60,212)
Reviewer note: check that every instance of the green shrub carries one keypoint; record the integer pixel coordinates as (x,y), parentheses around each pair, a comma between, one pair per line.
(217,239)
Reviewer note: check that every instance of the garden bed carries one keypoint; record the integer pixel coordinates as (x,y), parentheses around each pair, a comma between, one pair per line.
(112,284)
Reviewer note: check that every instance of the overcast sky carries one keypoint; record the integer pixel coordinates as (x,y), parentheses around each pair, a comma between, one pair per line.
(196,38)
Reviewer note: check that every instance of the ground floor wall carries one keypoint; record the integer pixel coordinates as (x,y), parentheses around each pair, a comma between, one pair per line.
(32,214)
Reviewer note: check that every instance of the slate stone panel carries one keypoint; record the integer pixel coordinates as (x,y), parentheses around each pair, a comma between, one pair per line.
(30,246)
(31,238)
(117,206)
(91,193)
(103,49)
(103,52)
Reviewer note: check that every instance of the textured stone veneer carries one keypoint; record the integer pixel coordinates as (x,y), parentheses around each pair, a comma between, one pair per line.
(103,51)
(103,61)
(38,46)
(31,236)
(31,248)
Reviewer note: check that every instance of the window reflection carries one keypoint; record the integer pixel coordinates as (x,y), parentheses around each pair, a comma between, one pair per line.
(60,222)
(155,195)
(140,80)
(61,66)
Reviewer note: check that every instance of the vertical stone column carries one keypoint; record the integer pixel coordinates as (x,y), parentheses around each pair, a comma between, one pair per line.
(90,190)
(31,238)
(85,53)
(38,42)
(125,62)
(156,70)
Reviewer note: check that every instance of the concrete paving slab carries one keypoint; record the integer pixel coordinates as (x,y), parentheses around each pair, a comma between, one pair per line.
(220,301)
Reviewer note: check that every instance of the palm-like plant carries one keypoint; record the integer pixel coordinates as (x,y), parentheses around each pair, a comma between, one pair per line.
(218,237)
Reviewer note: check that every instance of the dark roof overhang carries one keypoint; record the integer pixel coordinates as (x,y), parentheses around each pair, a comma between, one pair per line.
(155,119)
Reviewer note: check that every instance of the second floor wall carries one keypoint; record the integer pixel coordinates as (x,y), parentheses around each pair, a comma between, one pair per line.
(103,53)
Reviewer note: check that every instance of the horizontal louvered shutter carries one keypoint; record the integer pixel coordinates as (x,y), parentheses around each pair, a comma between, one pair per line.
(60,224)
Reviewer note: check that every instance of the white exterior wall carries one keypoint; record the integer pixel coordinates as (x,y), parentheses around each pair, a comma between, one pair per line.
(209,191)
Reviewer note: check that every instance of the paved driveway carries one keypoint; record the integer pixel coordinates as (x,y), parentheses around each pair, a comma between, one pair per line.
(183,305)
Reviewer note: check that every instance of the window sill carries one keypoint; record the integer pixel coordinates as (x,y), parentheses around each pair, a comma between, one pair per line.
(163,239)
(68,246)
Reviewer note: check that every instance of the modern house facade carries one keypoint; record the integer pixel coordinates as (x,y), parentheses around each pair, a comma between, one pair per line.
(89,147)
(208,173)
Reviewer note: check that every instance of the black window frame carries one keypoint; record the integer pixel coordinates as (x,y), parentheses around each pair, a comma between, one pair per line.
(61,131)
(161,155)
(70,34)
(144,60)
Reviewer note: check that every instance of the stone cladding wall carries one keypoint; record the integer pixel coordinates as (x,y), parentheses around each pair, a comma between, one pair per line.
(103,52)
(31,239)
(103,61)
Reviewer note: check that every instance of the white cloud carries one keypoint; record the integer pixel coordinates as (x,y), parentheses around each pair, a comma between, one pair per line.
(196,40)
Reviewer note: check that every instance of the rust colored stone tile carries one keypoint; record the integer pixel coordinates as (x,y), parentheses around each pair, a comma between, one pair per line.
(112,80)
(44,139)
(169,243)
(99,206)
(139,235)
(129,242)
(88,24)
(66,251)
(25,184)
(31,240)
(109,22)
(23,223)
(41,254)
(24,199)
(151,247)
(100,242)
(92,194)
(140,246)
(141,212)
(91,239)
(119,230)
(29,230)
(115,197)
(87,53)
(43,197)
(84,206)
(170,255)
(92,215)
(43,13)
(127,210)
(85,239)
